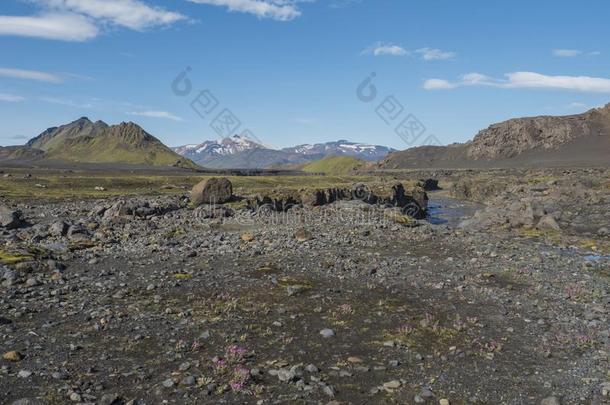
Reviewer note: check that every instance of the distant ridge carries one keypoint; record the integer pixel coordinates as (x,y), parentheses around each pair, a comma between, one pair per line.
(240,152)
(582,139)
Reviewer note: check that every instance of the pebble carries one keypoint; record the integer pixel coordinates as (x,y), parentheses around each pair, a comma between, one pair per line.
(188,381)
(330,391)
(12,356)
(327,333)
(392,384)
(550,401)
(311,368)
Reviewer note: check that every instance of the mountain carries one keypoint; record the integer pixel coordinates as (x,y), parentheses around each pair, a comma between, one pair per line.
(21,153)
(582,139)
(342,148)
(84,141)
(243,153)
(55,137)
(215,153)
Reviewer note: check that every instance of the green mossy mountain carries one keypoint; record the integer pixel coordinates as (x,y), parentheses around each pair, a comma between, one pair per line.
(84,141)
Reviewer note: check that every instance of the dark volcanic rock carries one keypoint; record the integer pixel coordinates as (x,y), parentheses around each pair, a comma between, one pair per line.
(429,184)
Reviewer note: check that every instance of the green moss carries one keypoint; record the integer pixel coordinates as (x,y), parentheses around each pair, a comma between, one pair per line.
(335,165)
(13,258)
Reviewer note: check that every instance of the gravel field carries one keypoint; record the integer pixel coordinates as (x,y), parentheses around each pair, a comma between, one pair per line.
(340,303)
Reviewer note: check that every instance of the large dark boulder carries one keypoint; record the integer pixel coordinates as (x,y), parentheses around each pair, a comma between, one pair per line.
(421,198)
(212,191)
(429,184)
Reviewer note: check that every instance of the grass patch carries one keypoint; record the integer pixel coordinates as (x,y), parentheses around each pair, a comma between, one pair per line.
(61,185)
(335,165)
(14,258)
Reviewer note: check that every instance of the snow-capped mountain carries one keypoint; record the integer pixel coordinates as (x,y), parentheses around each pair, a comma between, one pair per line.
(220,147)
(343,147)
(240,152)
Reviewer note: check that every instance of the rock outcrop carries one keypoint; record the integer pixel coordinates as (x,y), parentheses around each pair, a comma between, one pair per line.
(575,140)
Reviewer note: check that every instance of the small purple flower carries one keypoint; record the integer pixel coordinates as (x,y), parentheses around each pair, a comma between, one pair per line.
(241,377)
(236,352)
(237,385)
(219,362)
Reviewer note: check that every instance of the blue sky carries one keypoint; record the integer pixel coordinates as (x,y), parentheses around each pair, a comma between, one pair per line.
(289,70)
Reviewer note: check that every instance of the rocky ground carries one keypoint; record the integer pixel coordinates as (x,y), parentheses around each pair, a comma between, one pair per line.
(347,302)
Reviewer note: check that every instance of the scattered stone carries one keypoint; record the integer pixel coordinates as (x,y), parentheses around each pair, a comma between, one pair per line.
(247,237)
(286,375)
(329,390)
(110,399)
(28,401)
(392,385)
(312,369)
(550,401)
(12,356)
(547,223)
(303,235)
(327,333)
(9,218)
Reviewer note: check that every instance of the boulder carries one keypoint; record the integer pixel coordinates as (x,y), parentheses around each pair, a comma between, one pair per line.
(59,228)
(212,191)
(115,211)
(9,218)
(362,192)
(399,198)
(548,223)
(421,198)
(429,184)
(313,198)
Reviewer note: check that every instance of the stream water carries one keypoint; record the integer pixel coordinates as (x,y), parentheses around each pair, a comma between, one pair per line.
(449,211)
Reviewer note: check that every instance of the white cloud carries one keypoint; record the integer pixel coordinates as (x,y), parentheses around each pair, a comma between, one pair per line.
(526,80)
(156,114)
(133,14)
(11,98)
(427,54)
(65,27)
(566,53)
(29,75)
(281,10)
(476,78)
(577,83)
(80,20)
(435,54)
(381,49)
(572,53)
(438,84)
